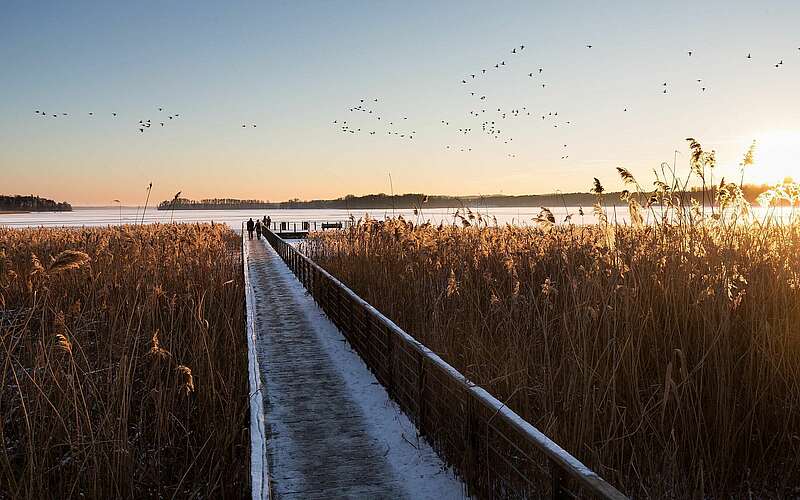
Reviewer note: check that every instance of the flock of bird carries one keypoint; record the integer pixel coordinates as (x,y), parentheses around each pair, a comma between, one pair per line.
(142,126)
(482,117)
(374,121)
(494,121)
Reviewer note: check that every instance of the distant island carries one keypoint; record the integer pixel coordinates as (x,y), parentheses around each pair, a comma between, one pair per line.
(31,203)
(419,200)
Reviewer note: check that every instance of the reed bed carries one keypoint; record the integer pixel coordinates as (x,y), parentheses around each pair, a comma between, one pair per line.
(666,356)
(123,363)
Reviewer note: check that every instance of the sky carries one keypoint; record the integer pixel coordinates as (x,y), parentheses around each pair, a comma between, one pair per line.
(292,68)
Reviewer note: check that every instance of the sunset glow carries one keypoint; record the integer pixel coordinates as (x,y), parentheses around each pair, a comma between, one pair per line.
(777,157)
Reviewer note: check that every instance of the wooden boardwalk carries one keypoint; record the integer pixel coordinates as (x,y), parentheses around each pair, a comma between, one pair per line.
(319,443)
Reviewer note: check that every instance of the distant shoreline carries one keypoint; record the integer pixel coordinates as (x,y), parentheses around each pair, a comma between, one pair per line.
(30,203)
(423,202)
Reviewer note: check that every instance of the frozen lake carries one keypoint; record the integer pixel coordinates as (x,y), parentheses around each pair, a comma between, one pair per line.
(234,218)
(131,215)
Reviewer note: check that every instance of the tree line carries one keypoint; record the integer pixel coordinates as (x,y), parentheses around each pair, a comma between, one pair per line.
(18,203)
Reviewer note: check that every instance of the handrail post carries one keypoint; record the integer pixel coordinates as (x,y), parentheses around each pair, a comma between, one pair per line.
(421,406)
(557,482)
(390,363)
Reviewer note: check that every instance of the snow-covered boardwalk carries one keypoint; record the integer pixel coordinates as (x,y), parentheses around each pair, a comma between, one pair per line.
(332,431)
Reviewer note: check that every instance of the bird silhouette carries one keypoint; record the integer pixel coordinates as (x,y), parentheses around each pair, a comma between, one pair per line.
(588,46)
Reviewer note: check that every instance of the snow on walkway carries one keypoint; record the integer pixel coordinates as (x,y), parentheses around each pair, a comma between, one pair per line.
(332,430)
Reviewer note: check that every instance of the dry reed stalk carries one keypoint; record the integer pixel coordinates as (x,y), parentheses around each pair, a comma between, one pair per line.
(109,422)
(664,355)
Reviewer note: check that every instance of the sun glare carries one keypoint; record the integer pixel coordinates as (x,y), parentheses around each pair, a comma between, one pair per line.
(777,157)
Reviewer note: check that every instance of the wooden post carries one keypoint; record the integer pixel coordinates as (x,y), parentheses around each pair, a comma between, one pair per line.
(421,406)
(390,363)
(557,482)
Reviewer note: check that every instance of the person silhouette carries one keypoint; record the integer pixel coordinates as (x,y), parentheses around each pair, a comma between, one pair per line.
(258,229)
(250,228)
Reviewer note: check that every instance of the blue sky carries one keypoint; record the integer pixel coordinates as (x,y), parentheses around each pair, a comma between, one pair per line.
(294,67)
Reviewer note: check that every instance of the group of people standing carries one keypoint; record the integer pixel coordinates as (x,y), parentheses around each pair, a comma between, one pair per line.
(259,226)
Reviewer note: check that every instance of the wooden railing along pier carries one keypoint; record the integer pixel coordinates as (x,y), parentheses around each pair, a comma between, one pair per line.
(499,454)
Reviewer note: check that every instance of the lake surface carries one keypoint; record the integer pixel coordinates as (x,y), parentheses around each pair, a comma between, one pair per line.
(107,216)
(234,218)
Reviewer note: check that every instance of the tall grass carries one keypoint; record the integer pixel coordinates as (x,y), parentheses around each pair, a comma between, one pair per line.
(665,356)
(122,363)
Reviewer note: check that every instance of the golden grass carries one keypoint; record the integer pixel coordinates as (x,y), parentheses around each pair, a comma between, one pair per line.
(664,356)
(123,369)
